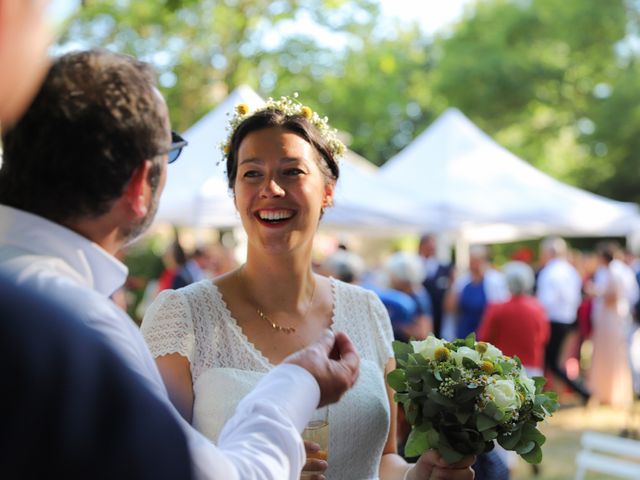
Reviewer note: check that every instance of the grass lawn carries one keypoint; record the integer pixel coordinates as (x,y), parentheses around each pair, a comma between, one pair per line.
(563,432)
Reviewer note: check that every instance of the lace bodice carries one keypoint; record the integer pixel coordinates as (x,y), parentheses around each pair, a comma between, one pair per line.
(196,323)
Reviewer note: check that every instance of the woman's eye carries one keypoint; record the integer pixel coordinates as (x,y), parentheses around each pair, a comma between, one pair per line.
(251,174)
(293,172)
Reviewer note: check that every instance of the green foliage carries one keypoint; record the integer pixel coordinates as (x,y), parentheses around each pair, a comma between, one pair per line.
(555,82)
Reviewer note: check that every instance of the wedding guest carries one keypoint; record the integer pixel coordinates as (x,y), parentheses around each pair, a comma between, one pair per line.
(173,260)
(437,279)
(215,339)
(65,384)
(97,191)
(195,269)
(345,266)
(520,325)
(610,375)
(559,290)
(474,290)
(406,274)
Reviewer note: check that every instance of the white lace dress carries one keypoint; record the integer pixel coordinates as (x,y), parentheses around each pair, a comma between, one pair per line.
(225,366)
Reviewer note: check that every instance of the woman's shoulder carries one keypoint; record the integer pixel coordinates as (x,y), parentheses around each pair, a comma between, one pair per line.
(349,290)
(201,288)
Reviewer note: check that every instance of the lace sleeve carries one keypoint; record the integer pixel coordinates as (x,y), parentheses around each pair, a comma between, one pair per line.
(384,333)
(167,326)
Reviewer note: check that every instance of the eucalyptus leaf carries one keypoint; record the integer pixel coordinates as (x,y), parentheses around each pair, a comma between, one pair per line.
(470,340)
(530,432)
(469,364)
(534,456)
(401,349)
(417,443)
(489,434)
(397,380)
(525,447)
(509,442)
(485,422)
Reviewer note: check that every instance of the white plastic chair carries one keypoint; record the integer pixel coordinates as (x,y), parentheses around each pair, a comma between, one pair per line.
(608,454)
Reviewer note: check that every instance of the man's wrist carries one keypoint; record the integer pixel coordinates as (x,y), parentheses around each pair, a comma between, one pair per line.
(407,473)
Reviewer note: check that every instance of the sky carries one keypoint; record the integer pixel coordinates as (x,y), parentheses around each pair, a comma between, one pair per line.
(432,15)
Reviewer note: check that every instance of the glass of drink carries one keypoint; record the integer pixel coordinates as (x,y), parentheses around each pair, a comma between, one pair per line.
(317,431)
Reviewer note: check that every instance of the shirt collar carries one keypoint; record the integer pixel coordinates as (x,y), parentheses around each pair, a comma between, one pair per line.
(98,269)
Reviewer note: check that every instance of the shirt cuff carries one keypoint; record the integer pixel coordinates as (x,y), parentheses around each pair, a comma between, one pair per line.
(294,389)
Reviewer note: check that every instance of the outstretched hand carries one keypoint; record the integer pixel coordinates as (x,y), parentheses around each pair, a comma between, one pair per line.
(333,362)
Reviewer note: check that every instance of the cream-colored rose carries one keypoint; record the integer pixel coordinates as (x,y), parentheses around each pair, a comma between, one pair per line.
(467,352)
(427,347)
(491,353)
(503,393)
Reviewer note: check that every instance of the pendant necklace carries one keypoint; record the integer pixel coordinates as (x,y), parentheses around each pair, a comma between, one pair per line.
(274,325)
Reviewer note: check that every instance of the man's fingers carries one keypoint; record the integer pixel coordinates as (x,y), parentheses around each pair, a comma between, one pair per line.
(327,341)
(344,344)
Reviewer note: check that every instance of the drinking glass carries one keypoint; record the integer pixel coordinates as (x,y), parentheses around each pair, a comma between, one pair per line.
(317,431)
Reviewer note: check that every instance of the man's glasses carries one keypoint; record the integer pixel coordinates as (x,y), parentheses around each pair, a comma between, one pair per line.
(177,144)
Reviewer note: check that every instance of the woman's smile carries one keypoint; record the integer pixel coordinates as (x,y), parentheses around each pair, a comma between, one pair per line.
(274,217)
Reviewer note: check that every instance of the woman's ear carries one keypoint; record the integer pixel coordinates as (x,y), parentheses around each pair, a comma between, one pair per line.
(328,195)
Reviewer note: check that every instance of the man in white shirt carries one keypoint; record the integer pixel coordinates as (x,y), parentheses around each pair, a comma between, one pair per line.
(559,288)
(83,170)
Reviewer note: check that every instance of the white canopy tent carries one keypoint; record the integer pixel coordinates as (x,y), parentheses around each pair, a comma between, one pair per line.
(196,192)
(483,193)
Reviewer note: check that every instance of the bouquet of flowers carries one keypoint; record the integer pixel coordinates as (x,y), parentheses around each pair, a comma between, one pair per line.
(461,396)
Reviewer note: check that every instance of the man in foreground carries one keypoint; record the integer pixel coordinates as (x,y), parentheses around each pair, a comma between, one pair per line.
(82,175)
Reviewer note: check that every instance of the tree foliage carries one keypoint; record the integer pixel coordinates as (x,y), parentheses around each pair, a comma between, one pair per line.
(553,81)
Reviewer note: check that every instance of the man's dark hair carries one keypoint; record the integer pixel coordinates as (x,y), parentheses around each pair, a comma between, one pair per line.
(297,124)
(95,120)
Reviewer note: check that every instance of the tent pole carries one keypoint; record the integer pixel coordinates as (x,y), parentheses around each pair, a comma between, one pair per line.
(462,253)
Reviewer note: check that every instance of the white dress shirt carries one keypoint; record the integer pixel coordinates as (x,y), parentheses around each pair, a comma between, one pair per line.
(559,290)
(261,440)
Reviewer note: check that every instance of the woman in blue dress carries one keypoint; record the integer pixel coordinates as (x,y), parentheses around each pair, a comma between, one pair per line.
(474,290)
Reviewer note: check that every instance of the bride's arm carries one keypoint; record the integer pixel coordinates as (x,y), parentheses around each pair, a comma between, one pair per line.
(176,375)
(392,465)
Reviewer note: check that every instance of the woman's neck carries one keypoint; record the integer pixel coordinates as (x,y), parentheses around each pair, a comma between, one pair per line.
(279,282)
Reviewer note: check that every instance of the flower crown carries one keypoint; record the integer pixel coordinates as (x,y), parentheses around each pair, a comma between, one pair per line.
(290,107)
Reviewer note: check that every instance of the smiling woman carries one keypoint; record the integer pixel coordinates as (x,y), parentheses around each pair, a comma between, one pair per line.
(215,339)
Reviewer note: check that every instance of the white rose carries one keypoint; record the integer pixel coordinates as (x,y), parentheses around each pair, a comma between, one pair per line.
(503,393)
(528,384)
(467,352)
(492,353)
(428,346)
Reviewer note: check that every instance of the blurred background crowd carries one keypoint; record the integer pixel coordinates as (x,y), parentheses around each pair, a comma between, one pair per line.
(572,313)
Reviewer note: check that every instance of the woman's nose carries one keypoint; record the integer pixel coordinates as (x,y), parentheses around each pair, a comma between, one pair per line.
(271,189)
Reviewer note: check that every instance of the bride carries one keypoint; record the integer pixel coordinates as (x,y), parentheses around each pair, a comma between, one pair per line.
(214,340)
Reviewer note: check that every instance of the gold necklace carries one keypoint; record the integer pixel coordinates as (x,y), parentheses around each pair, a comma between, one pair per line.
(274,325)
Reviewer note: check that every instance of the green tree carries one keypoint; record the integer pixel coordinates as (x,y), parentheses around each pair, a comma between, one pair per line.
(527,73)
(203,49)
(376,90)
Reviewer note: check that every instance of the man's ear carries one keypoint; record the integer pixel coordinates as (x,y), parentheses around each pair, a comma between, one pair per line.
(138,190)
